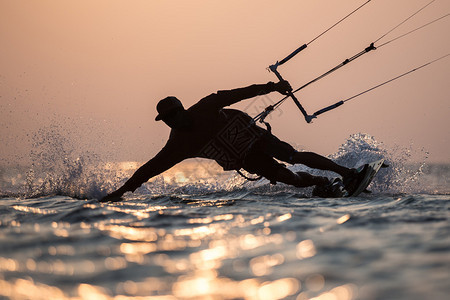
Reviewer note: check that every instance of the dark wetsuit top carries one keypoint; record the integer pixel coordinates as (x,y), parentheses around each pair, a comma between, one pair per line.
(224,135)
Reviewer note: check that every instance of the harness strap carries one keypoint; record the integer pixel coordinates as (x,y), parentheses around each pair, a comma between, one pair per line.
(249,178)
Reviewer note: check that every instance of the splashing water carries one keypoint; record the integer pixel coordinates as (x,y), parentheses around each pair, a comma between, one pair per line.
(58,168)
(403,174)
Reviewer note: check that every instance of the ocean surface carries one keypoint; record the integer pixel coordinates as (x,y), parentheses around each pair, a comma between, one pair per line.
(198,233)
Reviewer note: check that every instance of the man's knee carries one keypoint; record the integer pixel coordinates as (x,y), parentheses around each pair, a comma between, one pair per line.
(274,147)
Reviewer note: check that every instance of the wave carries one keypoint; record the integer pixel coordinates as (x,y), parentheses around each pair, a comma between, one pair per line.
(57,170)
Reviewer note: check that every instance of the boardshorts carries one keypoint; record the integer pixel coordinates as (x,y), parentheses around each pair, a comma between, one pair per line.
(260,159)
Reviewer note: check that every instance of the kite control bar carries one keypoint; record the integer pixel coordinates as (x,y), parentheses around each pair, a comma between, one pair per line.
(274,67)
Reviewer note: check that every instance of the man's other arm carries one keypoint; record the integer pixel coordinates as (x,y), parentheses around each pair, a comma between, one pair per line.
(229,97)
(163,161)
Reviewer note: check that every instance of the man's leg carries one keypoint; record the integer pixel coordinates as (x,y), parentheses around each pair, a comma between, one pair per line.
(320,162)
(298,179)
(283,151)
(264,165)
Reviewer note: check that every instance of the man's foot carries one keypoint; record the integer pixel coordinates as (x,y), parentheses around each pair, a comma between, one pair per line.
(352,180)
(338,188)
(333,189)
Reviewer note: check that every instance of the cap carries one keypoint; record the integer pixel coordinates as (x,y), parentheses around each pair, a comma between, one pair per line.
(166,106)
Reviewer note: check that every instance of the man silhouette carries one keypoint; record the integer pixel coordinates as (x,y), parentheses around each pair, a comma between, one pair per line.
(231,138)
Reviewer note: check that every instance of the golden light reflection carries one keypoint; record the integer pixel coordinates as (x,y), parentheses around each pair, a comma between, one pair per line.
(284,217)
(30,264)
(207,284)
(146,287)
(249,288)
(339,221)
(61,232)
(61,250)
(15,223)
(141,213)
(315,282)
(206,220)
(195,275)
(27,289)
(196,233)
(278,289)
(258,220)
(262,265)
(250,241)
(343,292)
(210,259)
(210,254)
(203,284)
(56,266)
(8,264)
(34,210)
(305,249)
(115,263)
(90,292)
(343,219)
(225,217)
(131,233)
(191,171)
(137,248)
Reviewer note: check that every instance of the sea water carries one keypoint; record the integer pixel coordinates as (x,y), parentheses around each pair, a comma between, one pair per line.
(198,233)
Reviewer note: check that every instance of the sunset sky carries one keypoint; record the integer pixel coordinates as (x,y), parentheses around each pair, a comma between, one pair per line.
(90,72)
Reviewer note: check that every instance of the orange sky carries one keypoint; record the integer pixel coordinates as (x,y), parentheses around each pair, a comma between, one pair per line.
(96,70)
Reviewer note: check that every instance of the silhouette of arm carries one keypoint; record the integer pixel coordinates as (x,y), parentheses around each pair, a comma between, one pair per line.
(164,160)
(155,166)
(229,97)
(225,98)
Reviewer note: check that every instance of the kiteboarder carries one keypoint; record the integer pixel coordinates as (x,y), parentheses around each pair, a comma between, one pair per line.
(232,139)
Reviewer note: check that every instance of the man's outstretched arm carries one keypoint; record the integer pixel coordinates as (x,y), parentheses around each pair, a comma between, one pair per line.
(163,161)
(229,97)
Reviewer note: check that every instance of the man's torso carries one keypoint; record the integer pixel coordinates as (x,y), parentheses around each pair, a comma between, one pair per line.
(224,135)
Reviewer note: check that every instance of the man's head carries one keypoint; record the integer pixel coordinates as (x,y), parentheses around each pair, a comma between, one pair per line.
(171,111)
(167,107)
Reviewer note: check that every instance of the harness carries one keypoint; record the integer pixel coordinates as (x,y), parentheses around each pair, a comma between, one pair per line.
(232,143)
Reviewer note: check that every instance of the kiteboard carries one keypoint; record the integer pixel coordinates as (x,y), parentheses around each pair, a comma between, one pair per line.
(364,177)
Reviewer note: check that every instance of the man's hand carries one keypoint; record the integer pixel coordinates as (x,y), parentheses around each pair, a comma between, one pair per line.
(113,197)
(283,87)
